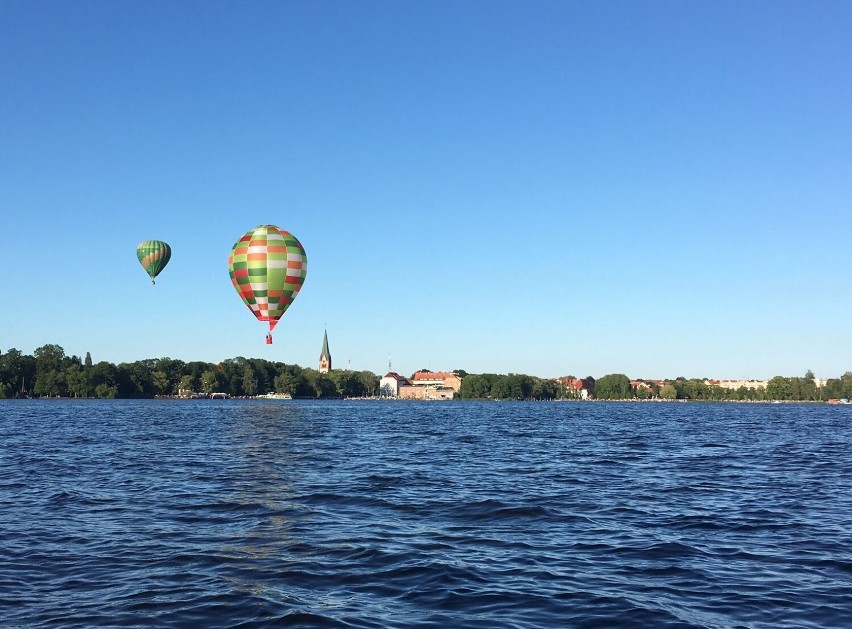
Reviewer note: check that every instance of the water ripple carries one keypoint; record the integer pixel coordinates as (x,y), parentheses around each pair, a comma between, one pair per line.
(339,514)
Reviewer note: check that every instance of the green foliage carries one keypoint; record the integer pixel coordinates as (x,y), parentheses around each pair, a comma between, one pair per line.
(509,387)
(545,389)
(160,382)
(77,381)
(250,380)
(346,382)
(837,388)
(477,387)
(49,380)
(49,372)
(354,383)
(291,379)
(370,382)
(668,392)
(779,388)
(17,374)
(106,391)
(209,382)
(322,384)
(614,386)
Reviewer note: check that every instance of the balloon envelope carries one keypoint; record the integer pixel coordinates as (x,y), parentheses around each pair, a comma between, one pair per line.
(268,266)
(154,255)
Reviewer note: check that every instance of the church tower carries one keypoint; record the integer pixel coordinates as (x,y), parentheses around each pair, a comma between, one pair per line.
(325,356)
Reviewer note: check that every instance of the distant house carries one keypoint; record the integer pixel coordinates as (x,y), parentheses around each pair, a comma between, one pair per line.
(424,385)
(391,382)
(437,379)
(736,384)
(574,388)
(426,392)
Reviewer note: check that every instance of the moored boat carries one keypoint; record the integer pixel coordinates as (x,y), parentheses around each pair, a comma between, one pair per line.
(274,396)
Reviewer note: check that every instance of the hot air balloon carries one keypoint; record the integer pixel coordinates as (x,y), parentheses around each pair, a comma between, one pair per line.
(268,267)
(154,256)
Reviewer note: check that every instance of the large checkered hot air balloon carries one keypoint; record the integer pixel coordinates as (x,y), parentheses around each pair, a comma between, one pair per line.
(268,267)
(153,255)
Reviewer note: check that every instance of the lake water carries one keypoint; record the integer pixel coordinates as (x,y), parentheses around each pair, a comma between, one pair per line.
(424,514)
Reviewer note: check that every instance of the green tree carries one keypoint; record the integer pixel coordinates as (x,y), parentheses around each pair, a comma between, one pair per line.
(545,389)
(614,386)
(500,389)
(716,393)
(831,389)
(17,374)
(778,388)
(49,380)
(323,386)
(187,384)
(809,389)
(174,370)
(160,382)
(285,382)
(745,393)
(103,379)
(135,379)
(249,381)
(264,372)
(668,392)
(106,391)
(232,375)
(692,389)
(846,385)
(476,387)
(520,386)
(209,382)
(643,392)
(369,382)
(77,381)
(194,369)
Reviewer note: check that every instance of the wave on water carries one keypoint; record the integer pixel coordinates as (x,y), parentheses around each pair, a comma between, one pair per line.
(357,514)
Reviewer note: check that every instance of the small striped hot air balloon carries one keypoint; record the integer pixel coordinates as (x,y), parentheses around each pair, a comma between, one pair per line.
(154,255)
(268,266)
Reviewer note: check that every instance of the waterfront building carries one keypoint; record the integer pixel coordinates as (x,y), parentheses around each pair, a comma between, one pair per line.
(574,388)
(737,384)
(430,385)
(426,392)
(325,355)
(437,379)
(389,385)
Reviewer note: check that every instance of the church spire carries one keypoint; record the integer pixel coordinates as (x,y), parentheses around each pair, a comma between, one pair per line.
(325,356)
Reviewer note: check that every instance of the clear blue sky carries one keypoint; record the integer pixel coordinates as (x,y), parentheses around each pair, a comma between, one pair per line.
(651,188)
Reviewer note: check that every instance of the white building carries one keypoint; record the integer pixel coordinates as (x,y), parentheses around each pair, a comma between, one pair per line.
(390,383)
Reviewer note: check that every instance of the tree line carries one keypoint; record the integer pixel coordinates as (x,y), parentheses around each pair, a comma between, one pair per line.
(508,387)
(620,387)
(793,389)
(49,372)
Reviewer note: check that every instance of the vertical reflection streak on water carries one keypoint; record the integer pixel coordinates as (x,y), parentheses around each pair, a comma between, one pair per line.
(365,514)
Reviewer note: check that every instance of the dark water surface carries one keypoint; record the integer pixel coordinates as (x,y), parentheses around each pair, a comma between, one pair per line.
(382,514)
